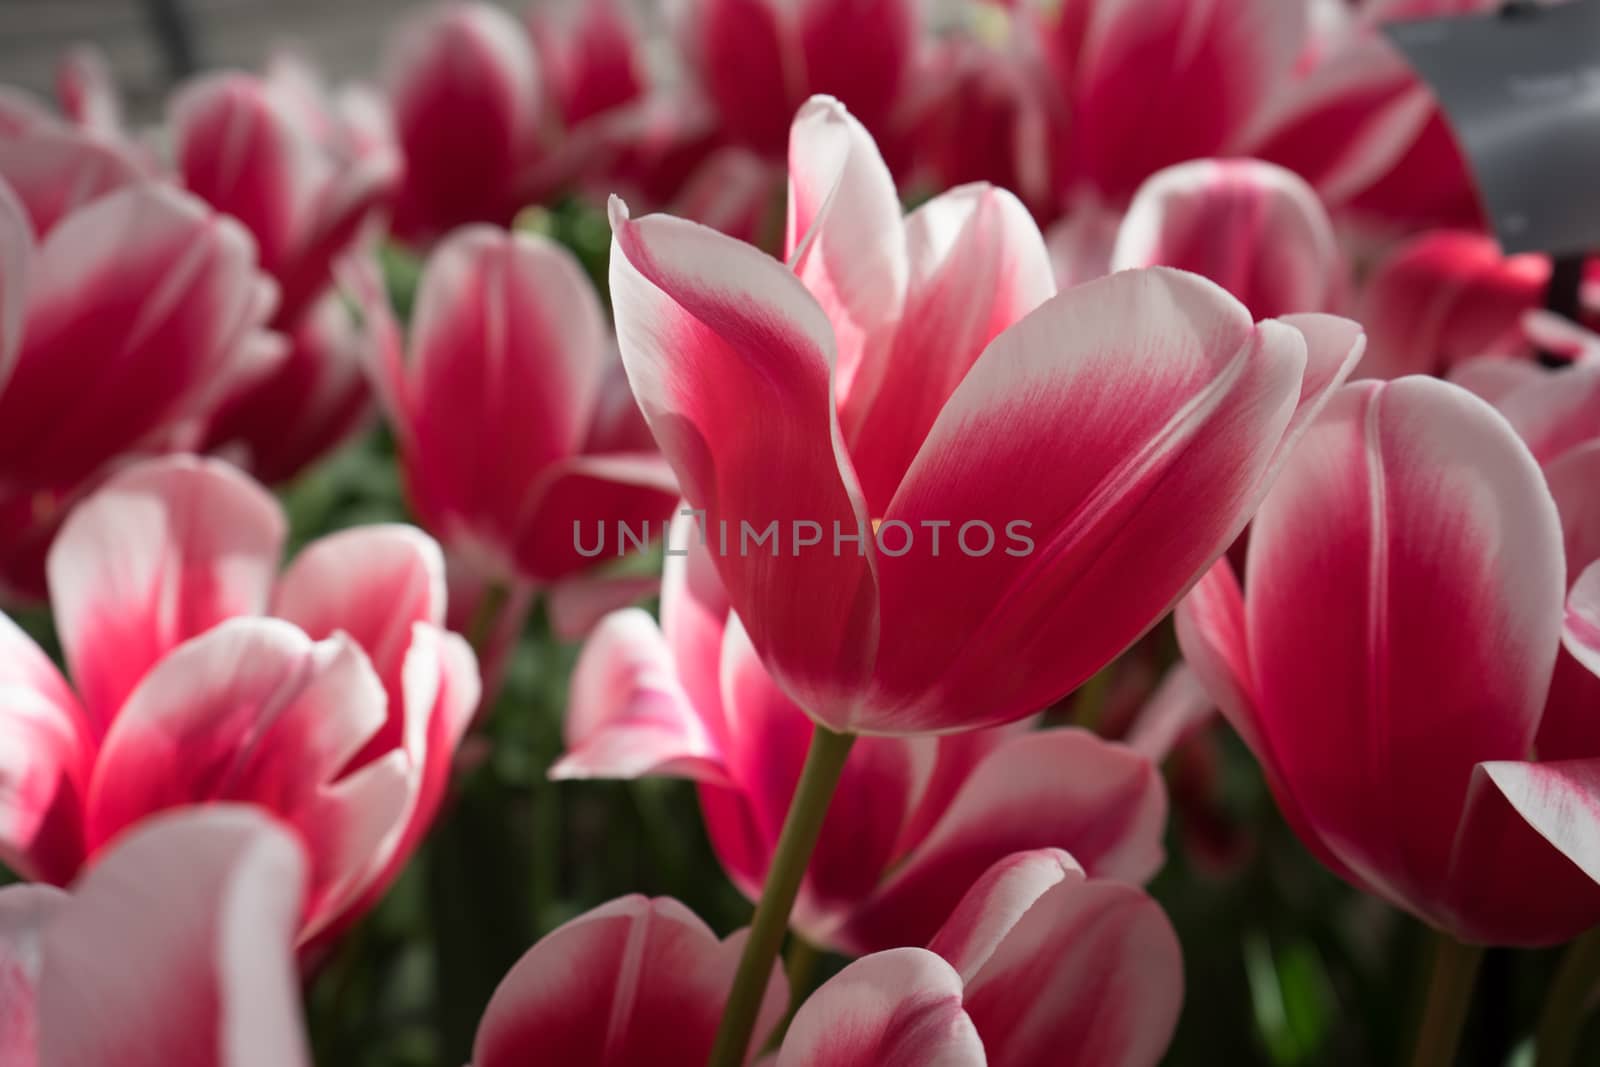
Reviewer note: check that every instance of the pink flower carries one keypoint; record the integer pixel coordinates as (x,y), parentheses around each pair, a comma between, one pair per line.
(1389,719)
(919,372)
(758,61)
(916,819)
(295,168)
(635,981)
(1036,965)
(339,715)
(515,426)
(465,87)
(1034,962)
(1255,229)
(1447,297)
(127,308)
(1360,126)
(179,944)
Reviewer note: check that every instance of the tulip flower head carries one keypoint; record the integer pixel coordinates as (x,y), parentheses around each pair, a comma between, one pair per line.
(914,378)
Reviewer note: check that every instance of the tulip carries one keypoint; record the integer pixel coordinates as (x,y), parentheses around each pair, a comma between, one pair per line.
(276,155)
(1255,229)
(339,715)
(1422,529)
(1366,132)
(464,84)
(1445,298)
(128,309)
(516,432)
(590,56)
(1034,962)
(176,948)
(919,818)
(88,92)
(758,61)
(918,372)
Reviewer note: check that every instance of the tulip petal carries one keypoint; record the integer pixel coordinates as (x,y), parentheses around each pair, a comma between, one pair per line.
(978,264)
(633,981)
(201,910)
(1064,789)
(1493,378)
(577,605)
(1119,465)
(161,553)
(24,911)
(862,54)
(1518,831)
(55,171)
(632,491)
(627,715)
(16,255)
(1557,411)
(1178,708)
(254,711)
(1421,526)
(1254,228)
(508,357)
(732,362)
(900,1008)
(373,583)
(845,236)
(996,901)
(1094,967)
(1187,76)
(141,311)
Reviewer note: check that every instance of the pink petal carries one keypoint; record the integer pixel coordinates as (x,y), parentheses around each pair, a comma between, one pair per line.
(732,362)
(162,552)
(201,908)
(978,264)
(88,91)
(613,491)
(56,171)
(16,255)
(1113,466)
(141,306)
(45,755)
(239,149)
(254,711)
(1256,229)
(1557,411)
(900,1008)
(577,605)
(1065,789)
(508,353)
(373,584)
(1515,877)
(1094,967)
(633,981)
(627,714)
(694,617)
(993,905)
(1127,75)
(861,54)
(24,911)
(1493,378)
(1421,527)
(464,85)
(1561,801)
(1567,729)
(1444,298)
(1580,634)
(747,61)
(593,64)
(845,238)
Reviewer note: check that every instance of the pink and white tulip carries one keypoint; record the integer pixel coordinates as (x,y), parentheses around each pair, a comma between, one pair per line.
(127,308)
(339,713)
(179,944)
(464,83)
(515,426)
(1255,229)
(1422,529)
(635,981)
(1036,965)
(759,60)
(916,820)
(919,370)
